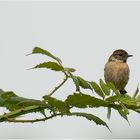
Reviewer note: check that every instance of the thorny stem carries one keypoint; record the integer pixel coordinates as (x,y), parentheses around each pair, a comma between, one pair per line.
(56,88)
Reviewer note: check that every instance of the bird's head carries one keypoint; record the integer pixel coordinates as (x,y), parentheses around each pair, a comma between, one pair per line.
(119,55)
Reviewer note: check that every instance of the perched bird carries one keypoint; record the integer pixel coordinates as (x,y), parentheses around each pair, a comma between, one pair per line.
(116,69)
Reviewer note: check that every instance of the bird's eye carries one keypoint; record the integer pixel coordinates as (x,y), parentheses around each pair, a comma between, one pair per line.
(120,54)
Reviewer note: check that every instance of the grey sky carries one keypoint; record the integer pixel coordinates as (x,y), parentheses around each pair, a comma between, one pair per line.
(83,35)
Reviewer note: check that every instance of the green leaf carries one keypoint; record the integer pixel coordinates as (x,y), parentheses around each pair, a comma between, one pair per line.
(83,83)
(58,105)
(125,109)
(75,80)
(4,96)
(21,111)
(128,101)
(13,102)
(112,99)
(104,87)
(136,92)
(112,86)
(108,112)
(69,69)
(50,65)
(90,117)
(115,106)
(1,91)
(38,50)
(137,99)
(137,110)
(81,100)
(123,114)
(97,89)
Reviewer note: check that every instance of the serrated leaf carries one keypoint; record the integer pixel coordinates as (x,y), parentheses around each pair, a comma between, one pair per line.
(38,50)
(69,69)
(75,80)
(13,102)
(90,117)
(104,87)
(97,89)
(58,105)
(83,83)
(81,100)
(50,65)
(123,114)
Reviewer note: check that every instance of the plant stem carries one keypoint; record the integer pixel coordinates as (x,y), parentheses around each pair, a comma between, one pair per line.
(32,121)
(36,120)
(56,88)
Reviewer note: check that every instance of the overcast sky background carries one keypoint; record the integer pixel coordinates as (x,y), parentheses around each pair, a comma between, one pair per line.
(83,35)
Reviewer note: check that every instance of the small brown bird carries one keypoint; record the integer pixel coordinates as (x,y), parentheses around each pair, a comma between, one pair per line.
(116,70)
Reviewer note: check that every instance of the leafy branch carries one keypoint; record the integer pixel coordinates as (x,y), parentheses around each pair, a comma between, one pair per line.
(104,95)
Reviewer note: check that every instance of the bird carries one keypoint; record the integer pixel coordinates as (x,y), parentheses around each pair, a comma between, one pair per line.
(116,70)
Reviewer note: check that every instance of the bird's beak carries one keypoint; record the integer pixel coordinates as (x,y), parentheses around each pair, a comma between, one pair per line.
(129,55)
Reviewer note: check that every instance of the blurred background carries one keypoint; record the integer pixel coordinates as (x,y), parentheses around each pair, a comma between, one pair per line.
(83,35)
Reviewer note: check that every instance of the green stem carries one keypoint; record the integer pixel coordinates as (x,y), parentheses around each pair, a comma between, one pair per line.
(36,120)
(31,121)
(56,88)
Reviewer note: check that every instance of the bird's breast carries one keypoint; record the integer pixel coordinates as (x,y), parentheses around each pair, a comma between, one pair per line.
(117,73)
